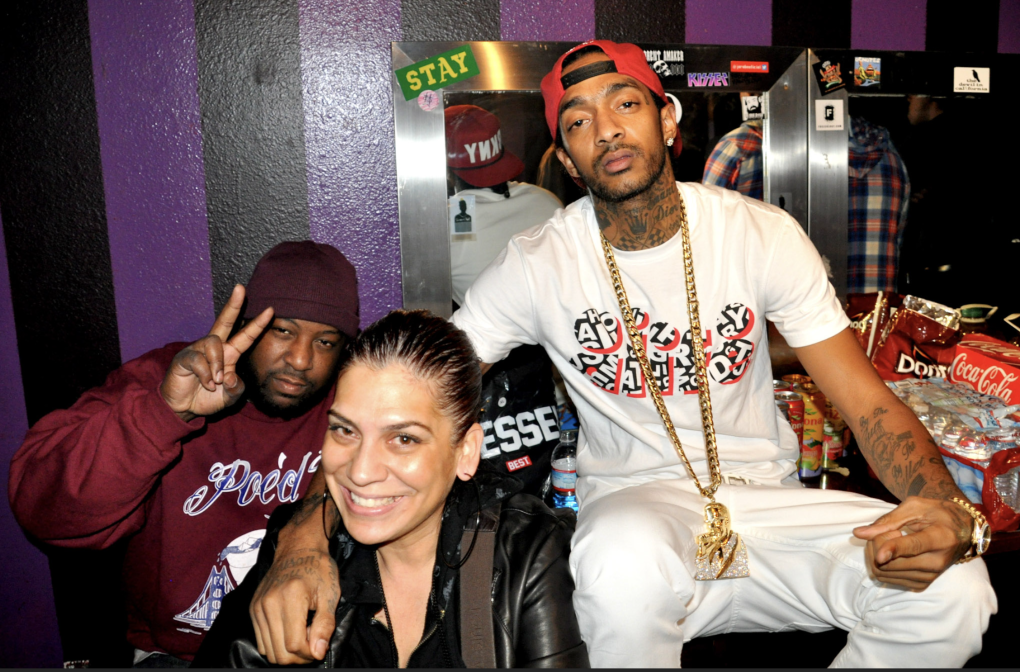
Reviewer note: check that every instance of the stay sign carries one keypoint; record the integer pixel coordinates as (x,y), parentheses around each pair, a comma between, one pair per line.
(438,71)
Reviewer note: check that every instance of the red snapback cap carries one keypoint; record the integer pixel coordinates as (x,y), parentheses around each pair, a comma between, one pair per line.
(474,147)
(627,58)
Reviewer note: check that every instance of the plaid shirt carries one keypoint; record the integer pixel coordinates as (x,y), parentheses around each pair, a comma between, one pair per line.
(879,195)
(736,161)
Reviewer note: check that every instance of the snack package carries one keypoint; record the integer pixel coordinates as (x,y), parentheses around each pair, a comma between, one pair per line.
(979,438)
(869,314)
(918,342)
(944,315)
(987,365)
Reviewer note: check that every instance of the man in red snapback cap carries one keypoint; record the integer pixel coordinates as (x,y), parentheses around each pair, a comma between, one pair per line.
(186,450)
(639,593)
(644,289)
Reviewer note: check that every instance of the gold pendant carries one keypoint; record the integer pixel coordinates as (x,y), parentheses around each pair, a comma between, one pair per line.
(721,551)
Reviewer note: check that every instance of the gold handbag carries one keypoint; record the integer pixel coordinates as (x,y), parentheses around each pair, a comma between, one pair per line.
(721,551)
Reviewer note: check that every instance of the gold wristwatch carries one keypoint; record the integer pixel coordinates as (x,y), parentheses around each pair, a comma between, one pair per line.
(981,534)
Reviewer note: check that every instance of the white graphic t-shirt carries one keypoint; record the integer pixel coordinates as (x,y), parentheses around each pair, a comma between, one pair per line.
(751,261)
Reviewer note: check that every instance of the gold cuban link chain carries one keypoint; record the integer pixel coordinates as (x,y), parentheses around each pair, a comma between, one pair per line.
(719,547)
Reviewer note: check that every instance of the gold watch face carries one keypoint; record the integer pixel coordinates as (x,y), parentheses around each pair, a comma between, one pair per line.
(982,538)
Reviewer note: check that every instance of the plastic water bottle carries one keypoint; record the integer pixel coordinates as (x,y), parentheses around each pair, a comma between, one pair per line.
(564,470)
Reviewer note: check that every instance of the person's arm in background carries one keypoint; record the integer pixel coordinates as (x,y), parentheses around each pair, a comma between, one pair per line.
(723,165)
(901,222)
(82,476)
(906,460)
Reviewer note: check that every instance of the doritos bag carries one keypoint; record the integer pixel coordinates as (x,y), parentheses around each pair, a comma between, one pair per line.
(519,416)
(918,342)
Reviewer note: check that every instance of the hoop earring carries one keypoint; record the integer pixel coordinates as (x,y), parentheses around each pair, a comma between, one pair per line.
(327,497)
(474,537)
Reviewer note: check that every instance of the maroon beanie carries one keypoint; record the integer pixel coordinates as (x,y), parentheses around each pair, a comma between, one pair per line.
(306,281)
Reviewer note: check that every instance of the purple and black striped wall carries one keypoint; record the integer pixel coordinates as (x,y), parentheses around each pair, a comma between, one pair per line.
(151,151)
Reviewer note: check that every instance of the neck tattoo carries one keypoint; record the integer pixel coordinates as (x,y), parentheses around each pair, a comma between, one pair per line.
(644,221)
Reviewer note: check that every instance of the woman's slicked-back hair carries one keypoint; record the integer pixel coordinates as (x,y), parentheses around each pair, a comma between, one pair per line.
(434,351)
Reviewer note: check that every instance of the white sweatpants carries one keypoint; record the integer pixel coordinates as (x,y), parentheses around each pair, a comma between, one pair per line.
(637,601)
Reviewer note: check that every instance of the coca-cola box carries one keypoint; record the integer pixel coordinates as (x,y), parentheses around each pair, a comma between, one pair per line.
(988,365)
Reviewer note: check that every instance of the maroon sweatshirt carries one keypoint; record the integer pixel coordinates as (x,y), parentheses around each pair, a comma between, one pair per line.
(194,497)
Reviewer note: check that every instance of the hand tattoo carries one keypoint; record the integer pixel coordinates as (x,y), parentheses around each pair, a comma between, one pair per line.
(299,568)
(964,527)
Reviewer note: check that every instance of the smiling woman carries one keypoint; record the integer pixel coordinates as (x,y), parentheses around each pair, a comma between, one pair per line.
(402,429)
(401,464)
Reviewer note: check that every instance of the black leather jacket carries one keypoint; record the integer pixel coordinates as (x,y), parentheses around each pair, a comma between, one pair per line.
(532,610)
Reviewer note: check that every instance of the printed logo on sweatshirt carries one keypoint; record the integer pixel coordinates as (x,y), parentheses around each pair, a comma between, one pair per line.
(228,571)
(249,484)
(604,339)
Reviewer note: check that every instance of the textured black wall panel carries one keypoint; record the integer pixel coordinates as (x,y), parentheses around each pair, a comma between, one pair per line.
(446,20)
(640,20)
(810,23)
(973,26)
(54,213)
(249,83)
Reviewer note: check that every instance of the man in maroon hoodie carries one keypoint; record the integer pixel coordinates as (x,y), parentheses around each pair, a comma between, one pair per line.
(189,448)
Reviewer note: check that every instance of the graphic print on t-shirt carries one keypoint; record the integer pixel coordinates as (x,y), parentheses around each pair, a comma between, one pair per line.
(601,335)
(247,482)
(233,562)
(250,485)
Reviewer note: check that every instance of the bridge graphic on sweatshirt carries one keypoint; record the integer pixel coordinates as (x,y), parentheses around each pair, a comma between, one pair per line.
(203,612)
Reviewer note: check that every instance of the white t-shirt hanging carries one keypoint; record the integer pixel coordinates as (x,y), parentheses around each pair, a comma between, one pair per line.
(495,219)
(751,261)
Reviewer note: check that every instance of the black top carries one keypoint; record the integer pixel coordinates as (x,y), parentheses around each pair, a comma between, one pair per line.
(371,643)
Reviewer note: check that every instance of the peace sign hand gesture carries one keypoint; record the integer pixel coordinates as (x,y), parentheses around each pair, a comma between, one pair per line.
(202,378)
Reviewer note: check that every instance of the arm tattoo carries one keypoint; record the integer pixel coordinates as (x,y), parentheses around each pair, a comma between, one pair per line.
(916,486)
(306,507)
(294,568)
(900,461)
